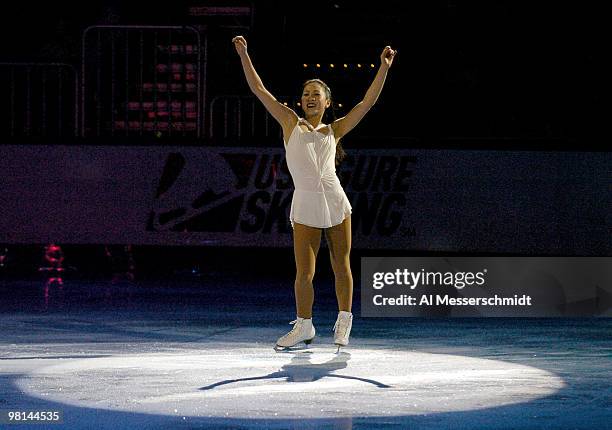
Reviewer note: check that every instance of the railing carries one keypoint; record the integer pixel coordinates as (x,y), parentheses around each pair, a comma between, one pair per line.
(142,80)
(38,100)
(232,116)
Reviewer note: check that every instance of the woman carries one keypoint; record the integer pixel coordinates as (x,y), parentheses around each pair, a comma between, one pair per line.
(319,202)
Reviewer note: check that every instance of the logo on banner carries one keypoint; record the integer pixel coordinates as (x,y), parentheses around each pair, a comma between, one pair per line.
(251,192)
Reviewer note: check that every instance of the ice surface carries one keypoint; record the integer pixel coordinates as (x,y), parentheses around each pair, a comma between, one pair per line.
(202,364)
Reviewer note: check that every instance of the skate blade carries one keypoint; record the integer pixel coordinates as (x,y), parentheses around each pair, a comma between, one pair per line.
(279,348)
(339,345)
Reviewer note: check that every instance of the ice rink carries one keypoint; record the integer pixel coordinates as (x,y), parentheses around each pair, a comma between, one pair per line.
(197,354)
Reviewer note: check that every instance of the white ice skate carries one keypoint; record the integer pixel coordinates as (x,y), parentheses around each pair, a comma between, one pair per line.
(342,329)
(302,331)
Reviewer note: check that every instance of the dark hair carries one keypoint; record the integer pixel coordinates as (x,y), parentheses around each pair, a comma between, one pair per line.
(329,116)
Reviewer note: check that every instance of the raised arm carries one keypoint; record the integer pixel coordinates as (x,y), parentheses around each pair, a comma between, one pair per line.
(345,124)
(285,116)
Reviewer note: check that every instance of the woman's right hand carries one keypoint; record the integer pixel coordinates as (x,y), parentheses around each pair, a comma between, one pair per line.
(240,44)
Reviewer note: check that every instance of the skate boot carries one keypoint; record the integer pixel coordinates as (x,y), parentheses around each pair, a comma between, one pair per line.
(342,329)
(302,331)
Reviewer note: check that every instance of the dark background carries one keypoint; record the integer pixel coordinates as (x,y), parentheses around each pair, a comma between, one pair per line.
(464,69)
(529,73)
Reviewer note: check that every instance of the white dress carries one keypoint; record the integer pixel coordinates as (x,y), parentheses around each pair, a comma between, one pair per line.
(318,199)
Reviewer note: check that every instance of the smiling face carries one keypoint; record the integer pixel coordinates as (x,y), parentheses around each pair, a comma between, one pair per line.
(314,99)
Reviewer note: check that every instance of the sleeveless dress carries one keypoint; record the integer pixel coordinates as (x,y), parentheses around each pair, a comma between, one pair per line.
(318,199)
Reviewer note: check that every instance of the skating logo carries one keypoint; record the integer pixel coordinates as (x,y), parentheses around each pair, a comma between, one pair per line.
(240,190)
(250,192)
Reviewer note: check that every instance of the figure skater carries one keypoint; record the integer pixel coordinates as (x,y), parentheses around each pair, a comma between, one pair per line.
(319,202)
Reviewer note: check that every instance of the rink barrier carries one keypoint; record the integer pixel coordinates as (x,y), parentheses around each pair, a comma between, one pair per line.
(528,202)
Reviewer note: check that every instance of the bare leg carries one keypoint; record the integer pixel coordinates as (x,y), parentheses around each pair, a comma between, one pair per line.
(339,242)
(306,241)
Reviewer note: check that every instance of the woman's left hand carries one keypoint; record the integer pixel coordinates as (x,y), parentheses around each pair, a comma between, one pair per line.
(387,56)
